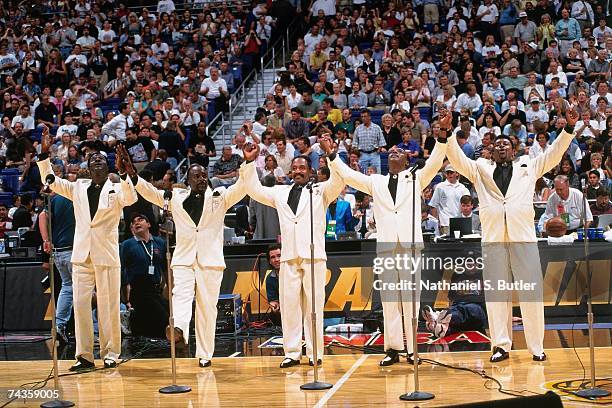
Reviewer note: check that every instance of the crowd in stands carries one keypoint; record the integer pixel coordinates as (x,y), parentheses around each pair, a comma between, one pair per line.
(373,74)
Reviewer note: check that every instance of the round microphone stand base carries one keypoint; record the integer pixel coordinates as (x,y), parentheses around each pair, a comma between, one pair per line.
(175,389)
(416,396)
(315,386)
(592,393)
(57,404)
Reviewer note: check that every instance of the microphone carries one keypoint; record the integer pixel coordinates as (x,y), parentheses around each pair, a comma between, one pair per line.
(311,182)
(418,164)
(50,179)
(167,198)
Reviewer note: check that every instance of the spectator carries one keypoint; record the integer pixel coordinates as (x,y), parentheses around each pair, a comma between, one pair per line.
(225,170)
(602,204)
(302,148)
(593,184)
(467,207)
(143,270)
(369,139)
(446,198)
(22,217)
(567,203)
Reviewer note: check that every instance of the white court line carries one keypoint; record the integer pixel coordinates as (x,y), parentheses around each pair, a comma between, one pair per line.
(341,381)
(235,354)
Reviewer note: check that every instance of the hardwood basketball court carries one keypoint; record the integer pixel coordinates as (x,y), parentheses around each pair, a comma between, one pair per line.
(357,379)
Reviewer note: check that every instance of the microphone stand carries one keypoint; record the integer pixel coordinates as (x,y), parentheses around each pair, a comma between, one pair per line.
(416,395)
(316,385)
(171,389)
(592,392)
(56,403)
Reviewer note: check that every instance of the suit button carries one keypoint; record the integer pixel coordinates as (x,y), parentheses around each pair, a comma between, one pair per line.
(395,212)
(296,223)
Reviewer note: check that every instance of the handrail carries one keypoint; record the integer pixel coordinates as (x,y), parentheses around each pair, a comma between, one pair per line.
(180,178)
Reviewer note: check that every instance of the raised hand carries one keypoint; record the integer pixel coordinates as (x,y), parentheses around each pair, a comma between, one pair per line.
(572,116)
(250,151)
(445,120)
(45,144)
(123,162)
(326,143)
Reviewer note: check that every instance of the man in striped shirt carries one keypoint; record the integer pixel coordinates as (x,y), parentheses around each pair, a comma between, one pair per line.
(369,139)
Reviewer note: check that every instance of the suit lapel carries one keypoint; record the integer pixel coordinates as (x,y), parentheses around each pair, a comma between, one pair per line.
(489,169)
(404,187)
(285,196)
(207,198)
(178,207)
(84,185)
(384,189)
(516,177)
(103,203)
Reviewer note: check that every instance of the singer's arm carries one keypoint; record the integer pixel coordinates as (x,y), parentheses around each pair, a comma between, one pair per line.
(552,156)
(264,195)
(432,165)
(333,186)
(60,186)
(128,193)
(460,161)
(355,179)
(149,192)
(236,191)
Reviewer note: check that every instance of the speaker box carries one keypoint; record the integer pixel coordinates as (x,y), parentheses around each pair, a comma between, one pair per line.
(548,400)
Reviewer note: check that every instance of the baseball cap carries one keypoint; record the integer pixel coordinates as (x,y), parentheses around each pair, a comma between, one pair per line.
(449,168)
(522,14)
(138,215)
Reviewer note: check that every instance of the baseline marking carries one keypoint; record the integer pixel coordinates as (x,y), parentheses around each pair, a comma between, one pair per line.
(341,381)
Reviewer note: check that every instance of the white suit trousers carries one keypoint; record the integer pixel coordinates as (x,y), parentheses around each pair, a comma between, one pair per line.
(205,283)
(502,262)
(295,301)
(397,309)
(107,282)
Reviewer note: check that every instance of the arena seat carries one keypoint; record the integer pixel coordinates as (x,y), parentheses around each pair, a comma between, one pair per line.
(384,163)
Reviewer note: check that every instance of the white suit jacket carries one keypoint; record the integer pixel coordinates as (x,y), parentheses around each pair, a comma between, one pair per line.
(394,220)
(97,238)
(295,228)
(508,218)
(202,242)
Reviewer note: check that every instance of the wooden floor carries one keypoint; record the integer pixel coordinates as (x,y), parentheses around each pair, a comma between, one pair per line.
(257,381)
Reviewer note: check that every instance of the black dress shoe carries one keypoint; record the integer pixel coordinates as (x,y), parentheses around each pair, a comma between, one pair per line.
(311,363)
(289,362)
(82,365)
(204,363)
(392,357)
(410,359)
(499,354)
(541,357)
(109,363)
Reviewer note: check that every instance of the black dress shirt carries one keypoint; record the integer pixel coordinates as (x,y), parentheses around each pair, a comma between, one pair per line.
(194,205)
(502,176)
(294,197)
(93,196)
(393,185)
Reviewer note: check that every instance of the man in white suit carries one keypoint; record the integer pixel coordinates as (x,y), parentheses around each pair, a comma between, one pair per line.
(292,203)
(505,187)
(98,204)
(197,262)
(393,211)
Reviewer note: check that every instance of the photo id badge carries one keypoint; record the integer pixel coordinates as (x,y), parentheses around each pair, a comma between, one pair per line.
(151,270)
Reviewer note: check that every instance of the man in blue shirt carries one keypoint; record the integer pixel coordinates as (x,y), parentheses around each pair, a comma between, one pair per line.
(272,292)
(143,272)
(63,223)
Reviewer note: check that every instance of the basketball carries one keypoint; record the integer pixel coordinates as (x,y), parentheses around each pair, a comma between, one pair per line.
(556,227)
